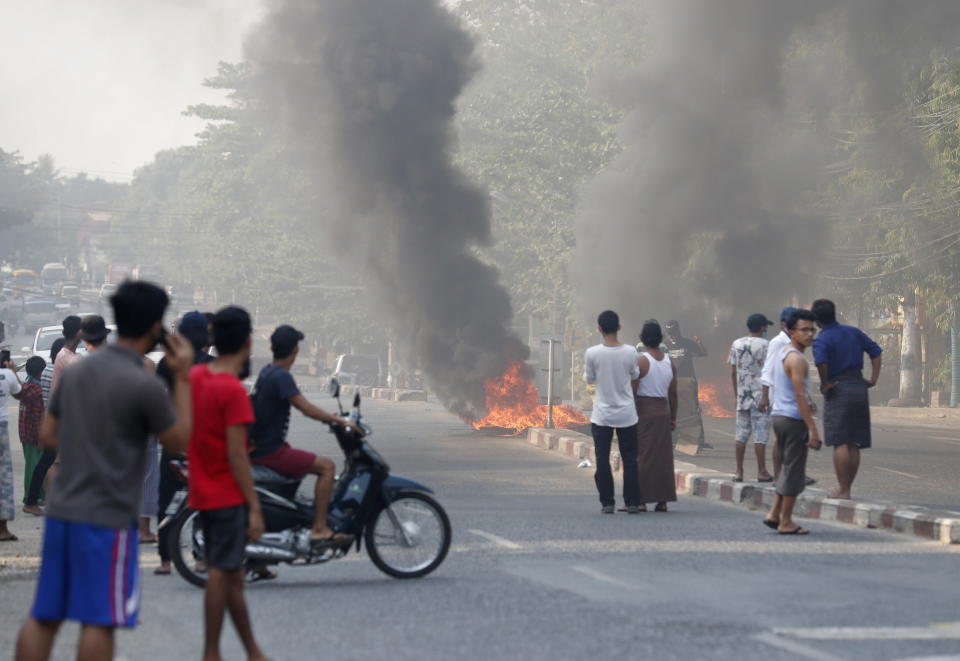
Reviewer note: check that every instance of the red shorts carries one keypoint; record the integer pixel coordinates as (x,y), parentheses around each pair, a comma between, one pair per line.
(287,461)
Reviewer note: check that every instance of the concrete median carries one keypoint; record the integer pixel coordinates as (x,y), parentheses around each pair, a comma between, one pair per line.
(812,504)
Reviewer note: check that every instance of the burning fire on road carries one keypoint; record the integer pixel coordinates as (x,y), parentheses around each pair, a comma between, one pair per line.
(710,401)
(513,406)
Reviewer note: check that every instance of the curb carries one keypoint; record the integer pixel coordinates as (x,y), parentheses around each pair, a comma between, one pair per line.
(812,503)
(888,413)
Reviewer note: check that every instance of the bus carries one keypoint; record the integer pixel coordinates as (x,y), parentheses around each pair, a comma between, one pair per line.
(25,280)
(52,275)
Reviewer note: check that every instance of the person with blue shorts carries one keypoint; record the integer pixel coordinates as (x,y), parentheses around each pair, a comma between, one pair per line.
(101,413)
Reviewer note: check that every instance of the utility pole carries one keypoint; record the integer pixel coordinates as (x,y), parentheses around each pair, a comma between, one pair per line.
(550,344)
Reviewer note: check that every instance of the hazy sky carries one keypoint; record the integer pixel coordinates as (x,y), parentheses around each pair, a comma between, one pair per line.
(100,84)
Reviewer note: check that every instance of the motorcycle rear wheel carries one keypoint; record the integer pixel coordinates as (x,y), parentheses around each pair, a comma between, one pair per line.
(186,547)
(427,527)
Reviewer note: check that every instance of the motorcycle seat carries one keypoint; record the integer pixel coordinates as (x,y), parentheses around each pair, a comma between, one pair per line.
(264,475)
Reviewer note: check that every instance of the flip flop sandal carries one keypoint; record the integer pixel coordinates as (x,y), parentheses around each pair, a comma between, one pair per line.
(770,523)
(11,538)
(660,508)
(796,531)
(738,479)
(332,542)
(160,571)
(764,479)
(265,575)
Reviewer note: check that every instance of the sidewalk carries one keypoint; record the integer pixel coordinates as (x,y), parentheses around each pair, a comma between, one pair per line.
(813,503)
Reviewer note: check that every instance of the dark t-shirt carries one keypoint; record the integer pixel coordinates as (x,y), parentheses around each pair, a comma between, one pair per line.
(106,405)
(683,351)
(271,408)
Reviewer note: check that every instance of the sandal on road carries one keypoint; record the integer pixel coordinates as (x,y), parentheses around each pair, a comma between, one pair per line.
(262,574)
(9,538)
(773,524)
(796,531)
(335,540)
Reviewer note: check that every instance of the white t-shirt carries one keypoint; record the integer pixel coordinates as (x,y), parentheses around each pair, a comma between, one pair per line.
(9,385)
(774,348)
(612,369)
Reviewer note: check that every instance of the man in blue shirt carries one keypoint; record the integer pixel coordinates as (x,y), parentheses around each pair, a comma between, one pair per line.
(838,354)
(273,394)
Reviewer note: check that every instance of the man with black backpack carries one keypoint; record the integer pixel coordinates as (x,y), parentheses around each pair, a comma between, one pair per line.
(273,394)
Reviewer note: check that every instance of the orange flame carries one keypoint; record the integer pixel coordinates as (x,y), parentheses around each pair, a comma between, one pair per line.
(710,401)
(514,403)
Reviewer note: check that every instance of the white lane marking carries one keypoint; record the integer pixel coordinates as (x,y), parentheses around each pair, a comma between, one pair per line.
(796,648)
(890,470)
(499,541)
(946,631)
(604,578)
(947,657)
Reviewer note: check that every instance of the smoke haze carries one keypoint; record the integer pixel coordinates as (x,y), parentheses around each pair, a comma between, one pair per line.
(100,84)
(366,91)
(706,212)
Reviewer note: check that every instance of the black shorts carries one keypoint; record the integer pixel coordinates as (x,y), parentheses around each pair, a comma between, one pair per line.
(225,537)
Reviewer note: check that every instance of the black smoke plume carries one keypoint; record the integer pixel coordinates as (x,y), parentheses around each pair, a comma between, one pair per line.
(365,90)
(703,204)
(707,211)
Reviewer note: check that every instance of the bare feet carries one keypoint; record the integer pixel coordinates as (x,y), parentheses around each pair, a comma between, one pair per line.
(35,510)
(840,495)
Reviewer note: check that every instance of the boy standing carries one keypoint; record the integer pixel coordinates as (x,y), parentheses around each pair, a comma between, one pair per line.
(221,485)
(31,416)
(793,422)
(613,368)
(101,412)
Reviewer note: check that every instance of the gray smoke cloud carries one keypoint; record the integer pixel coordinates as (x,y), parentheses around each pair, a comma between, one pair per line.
(366,90)
(709,155)
(706,213)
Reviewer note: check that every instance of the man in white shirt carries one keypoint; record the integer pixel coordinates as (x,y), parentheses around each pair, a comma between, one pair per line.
(612,368)
(9,385)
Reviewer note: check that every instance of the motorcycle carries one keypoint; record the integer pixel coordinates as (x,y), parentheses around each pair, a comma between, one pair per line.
(406,531)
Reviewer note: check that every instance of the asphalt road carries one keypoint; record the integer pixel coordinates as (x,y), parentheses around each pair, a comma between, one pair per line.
(912,462)
(536,572)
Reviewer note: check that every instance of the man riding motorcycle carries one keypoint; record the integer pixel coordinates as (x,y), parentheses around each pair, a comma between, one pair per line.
(274,393)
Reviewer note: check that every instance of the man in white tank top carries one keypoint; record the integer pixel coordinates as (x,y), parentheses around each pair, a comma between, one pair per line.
(612,368)
(793,422)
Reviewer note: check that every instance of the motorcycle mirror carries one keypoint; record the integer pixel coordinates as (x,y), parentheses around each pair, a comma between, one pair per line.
(356,401)
(333,388)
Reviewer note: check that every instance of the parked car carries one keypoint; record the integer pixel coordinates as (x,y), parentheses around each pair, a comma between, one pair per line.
(359,369)
(43,340)
(46,336)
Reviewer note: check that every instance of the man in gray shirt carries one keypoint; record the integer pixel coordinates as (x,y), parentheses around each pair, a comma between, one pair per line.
(100,415)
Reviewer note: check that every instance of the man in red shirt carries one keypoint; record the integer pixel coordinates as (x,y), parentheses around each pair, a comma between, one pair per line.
(221,485)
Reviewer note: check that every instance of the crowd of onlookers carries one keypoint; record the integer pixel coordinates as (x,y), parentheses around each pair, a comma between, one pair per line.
(636,399)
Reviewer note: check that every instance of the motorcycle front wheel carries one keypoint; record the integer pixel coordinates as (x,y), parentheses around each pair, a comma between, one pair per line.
(419,547)
(187,547)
